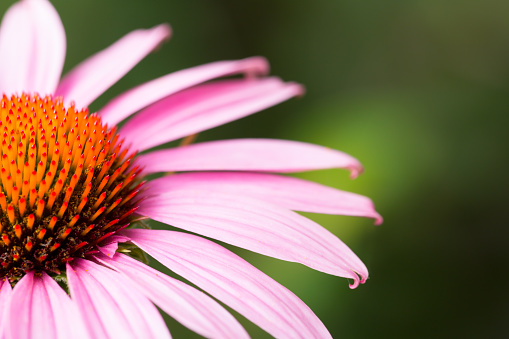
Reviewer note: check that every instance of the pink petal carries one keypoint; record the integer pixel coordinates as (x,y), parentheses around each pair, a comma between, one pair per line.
(5,297)
(109,245)
(140,97)
(69,323)
(109,249)
(95,75)
(32,48)
(263,155)
(288,192)
(42,310)
(111,305)
(256,226)
(233,281)
(203,107)
(192,308)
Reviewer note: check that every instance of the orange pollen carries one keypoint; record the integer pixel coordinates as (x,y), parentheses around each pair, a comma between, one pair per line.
(66,184)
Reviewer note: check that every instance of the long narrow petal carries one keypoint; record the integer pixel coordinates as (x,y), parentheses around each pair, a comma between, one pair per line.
(68,322)
(262,155)
(256,226)
(5,298)
(42,310)
(96,74)
(288,192)
(187,305)
(203,107)
(32,48)
(111,305)
(142,96)
(233,281)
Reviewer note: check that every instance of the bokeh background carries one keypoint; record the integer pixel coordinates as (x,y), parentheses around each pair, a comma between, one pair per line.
(416,90)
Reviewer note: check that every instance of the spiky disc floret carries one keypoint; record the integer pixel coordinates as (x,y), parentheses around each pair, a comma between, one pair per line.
(66,184)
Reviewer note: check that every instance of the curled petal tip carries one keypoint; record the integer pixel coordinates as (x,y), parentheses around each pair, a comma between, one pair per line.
(165,30)
(298,89)
(359,278)
(258,65)
(378,220)
(355,284)
(355,171)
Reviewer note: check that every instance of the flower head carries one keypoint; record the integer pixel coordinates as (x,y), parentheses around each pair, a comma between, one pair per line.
(72,191)
(67,185)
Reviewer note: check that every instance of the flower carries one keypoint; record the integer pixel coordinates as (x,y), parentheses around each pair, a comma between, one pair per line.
(72,189)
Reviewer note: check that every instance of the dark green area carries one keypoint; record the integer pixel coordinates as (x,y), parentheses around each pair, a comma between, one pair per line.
(417,90)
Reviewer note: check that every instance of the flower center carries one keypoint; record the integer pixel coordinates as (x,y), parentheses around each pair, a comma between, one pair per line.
(66,184)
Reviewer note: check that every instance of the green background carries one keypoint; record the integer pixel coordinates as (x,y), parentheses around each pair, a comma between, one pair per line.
(416,90)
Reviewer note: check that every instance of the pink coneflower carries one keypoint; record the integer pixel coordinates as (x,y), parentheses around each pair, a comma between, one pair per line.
(72,191)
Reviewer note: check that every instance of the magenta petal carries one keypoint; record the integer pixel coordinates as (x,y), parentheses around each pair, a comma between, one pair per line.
(109,249)
(42,310)
(95,75)
(233,281)
(187,305)
(109,246)
(20,324)
(140,97)
(257,226)
(203,107)
(32,48)
(288,192)
(5,297)
(263,155)
(68,321)
(111,305)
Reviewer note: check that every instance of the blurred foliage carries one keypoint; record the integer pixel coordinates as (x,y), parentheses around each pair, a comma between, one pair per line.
(417,90)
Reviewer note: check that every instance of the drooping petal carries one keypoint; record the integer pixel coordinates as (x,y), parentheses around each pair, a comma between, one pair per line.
(257,226)
(108,249)
(187,305)
(5,298)
(95,75)
(288,192)
(203,107)
(69,323)
(32,48)
(109,246)
(142,96)
(110,305)
(233,281)
(42,310)
(262,155)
